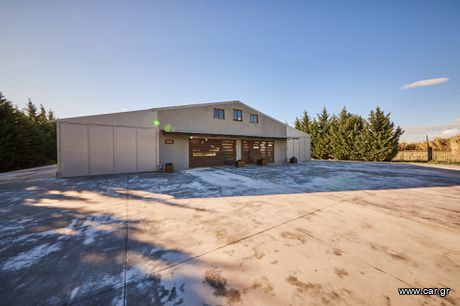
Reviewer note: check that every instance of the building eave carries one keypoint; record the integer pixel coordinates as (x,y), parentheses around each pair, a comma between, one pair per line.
(193,134)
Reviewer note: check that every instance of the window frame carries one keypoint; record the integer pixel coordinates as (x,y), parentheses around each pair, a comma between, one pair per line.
(241,113)
(256,116)
(217,111)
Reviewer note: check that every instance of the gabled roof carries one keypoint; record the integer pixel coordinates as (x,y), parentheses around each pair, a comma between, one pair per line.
(181,106)
(216,104)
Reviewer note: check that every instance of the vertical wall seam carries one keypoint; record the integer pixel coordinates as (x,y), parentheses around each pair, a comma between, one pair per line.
(88,155)
(157,144)
(58,149)
(113,150)
(125,265)
(137,149)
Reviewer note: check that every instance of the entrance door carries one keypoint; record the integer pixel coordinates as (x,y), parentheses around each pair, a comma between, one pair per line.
(252,150)
(205,152)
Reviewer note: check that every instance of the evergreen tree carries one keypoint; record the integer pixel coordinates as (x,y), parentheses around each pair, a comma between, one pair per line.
(355,135)
(8,132)
(304,123)
(31,110)
(50,148)
(42,117)
(26,139)
(345,140)
(32,149)
(380,137)
(51,115)
(320,135)
(350,137)
(298,124)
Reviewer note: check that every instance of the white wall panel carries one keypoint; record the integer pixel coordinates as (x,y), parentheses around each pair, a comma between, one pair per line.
(125,149)
(90,149)
(308,144)
(280,151)
(298,147)
(298,144)
(146,149)
(100,149)
(176,153)
(73,146)
(290,148)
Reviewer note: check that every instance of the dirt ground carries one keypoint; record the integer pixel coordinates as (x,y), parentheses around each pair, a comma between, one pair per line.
(315,233)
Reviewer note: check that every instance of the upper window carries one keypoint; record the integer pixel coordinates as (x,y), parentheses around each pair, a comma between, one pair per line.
(254,118)
(237,115)
(219,113)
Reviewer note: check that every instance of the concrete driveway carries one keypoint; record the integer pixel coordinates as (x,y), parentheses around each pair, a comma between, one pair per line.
(316,233)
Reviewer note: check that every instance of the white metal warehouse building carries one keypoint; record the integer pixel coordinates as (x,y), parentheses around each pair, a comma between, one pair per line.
(197,135)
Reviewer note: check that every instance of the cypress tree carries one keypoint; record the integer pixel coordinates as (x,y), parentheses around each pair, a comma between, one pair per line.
(351,137)
(51,115)
(31,110)
(50,150)
(320,136)
(27,139)
(298,124)
(8,132)
(346,129)
(304,123)
(355,136)
(42,116)
(380,137)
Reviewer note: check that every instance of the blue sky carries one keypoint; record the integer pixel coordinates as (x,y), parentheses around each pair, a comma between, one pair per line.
(281,57)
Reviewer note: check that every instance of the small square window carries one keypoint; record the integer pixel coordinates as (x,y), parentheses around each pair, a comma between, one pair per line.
(237,115)
(219,113)
(254,118)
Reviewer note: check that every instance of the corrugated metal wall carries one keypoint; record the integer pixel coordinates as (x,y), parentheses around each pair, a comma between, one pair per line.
(299,147)
(90,149)
(298,144)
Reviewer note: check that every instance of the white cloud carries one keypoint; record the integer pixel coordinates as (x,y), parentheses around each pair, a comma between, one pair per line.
(418,133)
(422,83)
(450,132)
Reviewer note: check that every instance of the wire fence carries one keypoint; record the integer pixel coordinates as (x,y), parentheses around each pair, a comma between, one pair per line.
(447,156)
(411,155)
(422,155)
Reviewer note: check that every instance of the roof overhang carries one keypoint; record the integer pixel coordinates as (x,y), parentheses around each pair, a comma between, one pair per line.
(193,134)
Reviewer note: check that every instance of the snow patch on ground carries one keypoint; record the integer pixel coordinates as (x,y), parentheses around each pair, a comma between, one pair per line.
(95,225)
(13,227)
(233,182)
(101,281)
(74,293)
(28,258)
(133,273)
(117,301)
(109,281)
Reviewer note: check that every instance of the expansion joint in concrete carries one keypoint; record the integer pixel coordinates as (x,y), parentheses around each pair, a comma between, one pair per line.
(125,260)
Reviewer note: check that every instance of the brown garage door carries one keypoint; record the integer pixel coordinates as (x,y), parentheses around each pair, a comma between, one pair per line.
(255,149)
(211,152)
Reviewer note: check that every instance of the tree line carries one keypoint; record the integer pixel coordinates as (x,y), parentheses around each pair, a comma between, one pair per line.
(348,136)
(27,136)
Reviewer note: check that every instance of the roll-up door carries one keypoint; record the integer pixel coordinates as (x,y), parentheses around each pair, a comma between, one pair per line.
(211,152)
(255,149)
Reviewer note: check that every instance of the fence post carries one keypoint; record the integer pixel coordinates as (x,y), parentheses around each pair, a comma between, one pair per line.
(429,150)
